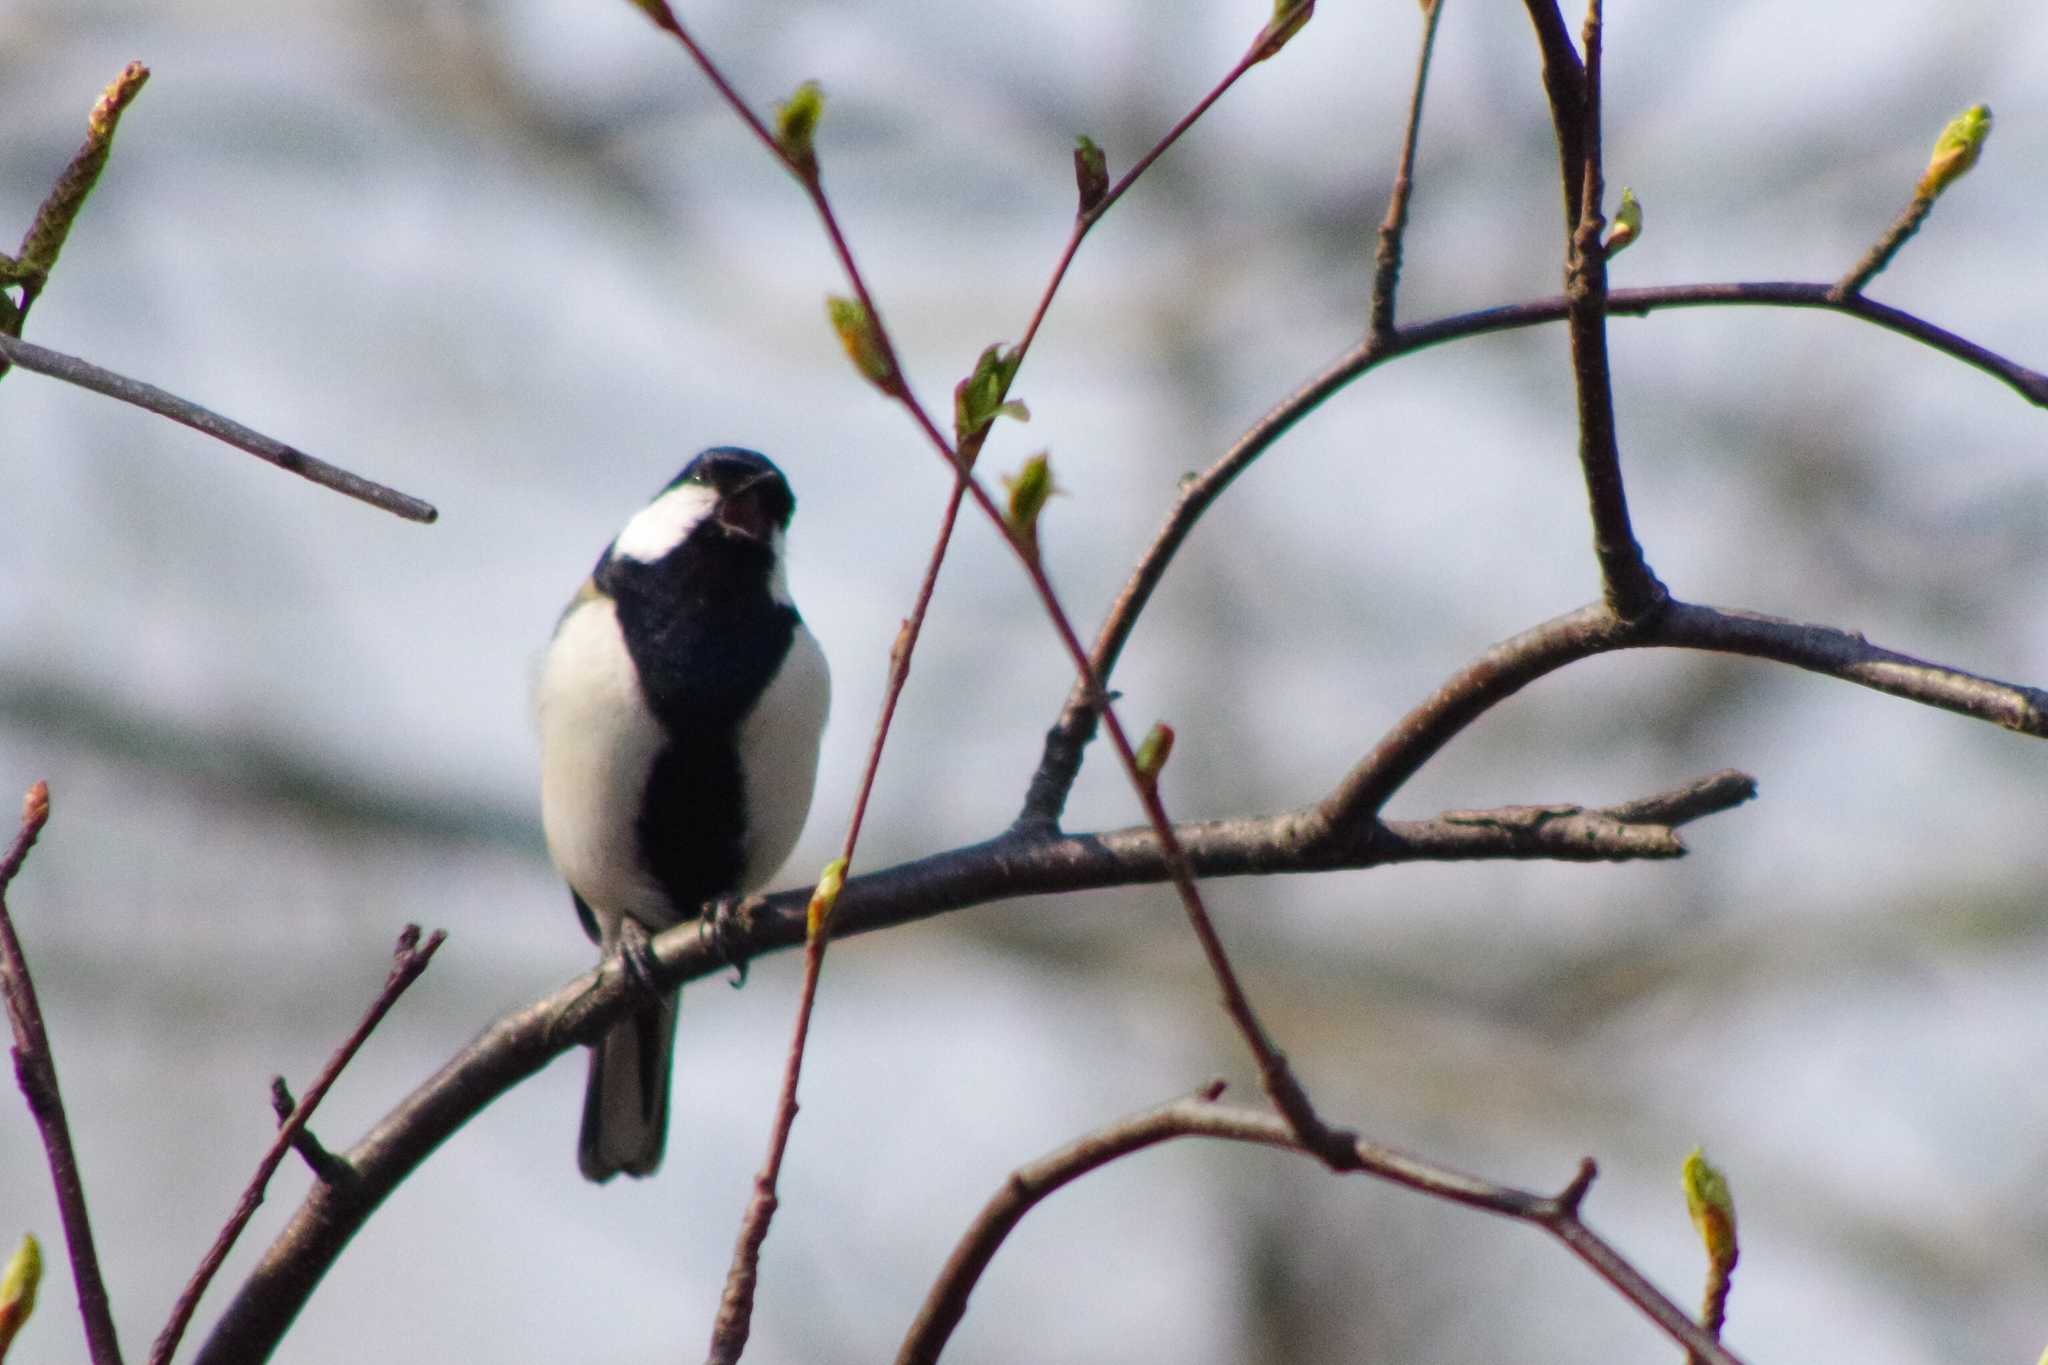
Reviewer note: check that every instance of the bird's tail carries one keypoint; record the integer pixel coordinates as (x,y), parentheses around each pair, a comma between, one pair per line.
(625,1107)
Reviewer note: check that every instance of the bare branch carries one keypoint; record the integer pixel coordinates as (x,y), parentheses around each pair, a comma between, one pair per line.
(1630,584)
(1556,1214)
(87,375)
(409,959)
(1513,664)
(1011,866)
(1564,82)
(35,1069)
(1065,743)
(1884,248)
(1387,261)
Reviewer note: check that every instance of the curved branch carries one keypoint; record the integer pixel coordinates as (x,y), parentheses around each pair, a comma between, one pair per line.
(1010,866)
(1508,667)
(1060,762)
(1556,1214)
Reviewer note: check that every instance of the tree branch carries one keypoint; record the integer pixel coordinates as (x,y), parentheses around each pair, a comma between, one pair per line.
(1060,762)
(35,1069)
(1630,584)
(1508,667)
(1387,260)
(86,375)
(1557,1214)
(1564,83)
(1007,867)
(409,959)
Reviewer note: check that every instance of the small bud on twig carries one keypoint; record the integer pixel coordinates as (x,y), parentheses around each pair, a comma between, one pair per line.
(825,898)
(1154,751)
(796,128)
(1091,172)
(1288,17)
(18,1285)
(980,398)
(1712,1207)
(862,342)
(1029,488)
(1956,150)
(1628,223)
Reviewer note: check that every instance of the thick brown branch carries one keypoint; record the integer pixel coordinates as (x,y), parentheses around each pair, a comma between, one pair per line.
(1046,795)
(1203,1117)
(35,1068)
(1513,664)
(86,375)
(1010,866)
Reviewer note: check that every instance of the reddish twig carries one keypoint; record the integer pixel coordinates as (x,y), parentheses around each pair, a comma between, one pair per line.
(35,1069)
(409,959)
(1201,1116)
(1089,215)
(731,1326)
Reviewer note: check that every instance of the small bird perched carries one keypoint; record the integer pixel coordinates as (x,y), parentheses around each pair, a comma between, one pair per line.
(681,707)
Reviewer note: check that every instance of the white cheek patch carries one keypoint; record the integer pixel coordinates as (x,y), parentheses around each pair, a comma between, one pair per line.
(666,522)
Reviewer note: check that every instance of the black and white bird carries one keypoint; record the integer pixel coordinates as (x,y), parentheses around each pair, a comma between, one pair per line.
(681,703)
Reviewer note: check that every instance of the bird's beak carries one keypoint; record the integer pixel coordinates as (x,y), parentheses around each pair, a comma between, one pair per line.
(744,513)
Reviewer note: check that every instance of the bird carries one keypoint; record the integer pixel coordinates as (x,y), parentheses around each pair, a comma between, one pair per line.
(682,704)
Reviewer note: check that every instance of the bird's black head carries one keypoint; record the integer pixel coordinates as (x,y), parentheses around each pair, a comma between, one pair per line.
(754,498)
(727,503)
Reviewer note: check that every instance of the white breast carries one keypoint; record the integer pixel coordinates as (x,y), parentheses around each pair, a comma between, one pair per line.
(779,756)
(597,744)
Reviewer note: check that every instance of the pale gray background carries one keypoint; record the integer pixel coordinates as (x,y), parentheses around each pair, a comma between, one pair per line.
(514,257)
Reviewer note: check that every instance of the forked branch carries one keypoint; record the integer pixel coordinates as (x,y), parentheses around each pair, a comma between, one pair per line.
(1201,1116)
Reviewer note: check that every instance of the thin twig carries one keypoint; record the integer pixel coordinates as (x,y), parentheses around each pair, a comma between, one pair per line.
(35,1069)
(324,1164)
(1884,248)
(1387,260)
(1630,584)
(1558,1214)
(87,375)
(1060,762)
(1086,218)
(409,959)
(1564,83)
(735,1308)
(44,241)
(729,1331)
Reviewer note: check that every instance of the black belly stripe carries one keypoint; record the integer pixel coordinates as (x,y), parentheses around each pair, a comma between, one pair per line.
(692,828)
(706,640)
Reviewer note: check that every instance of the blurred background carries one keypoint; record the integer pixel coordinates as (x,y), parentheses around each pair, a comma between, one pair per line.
(515,258)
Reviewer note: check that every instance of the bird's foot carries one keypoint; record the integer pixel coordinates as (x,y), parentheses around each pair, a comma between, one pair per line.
(637,962)
(719,930)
